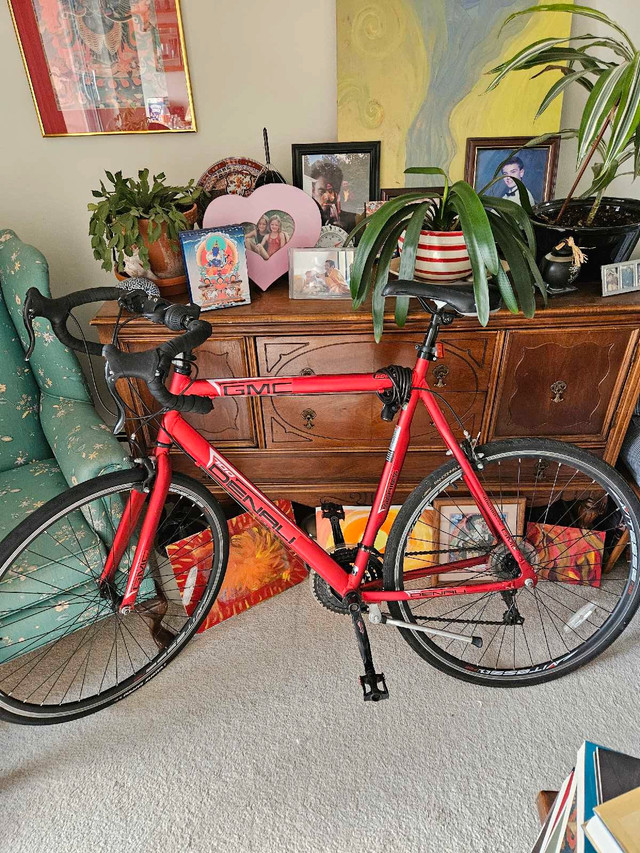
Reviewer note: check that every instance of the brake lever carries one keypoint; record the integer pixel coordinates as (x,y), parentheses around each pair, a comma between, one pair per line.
(110,379)
(27,318)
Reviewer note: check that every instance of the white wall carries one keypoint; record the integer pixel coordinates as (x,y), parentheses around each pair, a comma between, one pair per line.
(260,68)
(252,64)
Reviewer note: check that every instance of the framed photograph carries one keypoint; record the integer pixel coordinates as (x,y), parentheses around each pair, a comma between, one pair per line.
(94,69)
(620,278)
(394,192)
(340,176)
(461,526)
(216,265)
(536,167)
(320,273)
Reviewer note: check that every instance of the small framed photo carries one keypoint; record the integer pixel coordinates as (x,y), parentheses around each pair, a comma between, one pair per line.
(620,278)
(371,207)
(340,176)
(216,264)
(536,167)
(320,273)
(462,527)
(387,193)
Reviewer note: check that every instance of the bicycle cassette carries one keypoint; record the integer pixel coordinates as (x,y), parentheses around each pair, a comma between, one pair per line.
(345,557)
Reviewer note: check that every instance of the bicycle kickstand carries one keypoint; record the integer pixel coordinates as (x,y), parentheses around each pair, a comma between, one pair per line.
(374,687)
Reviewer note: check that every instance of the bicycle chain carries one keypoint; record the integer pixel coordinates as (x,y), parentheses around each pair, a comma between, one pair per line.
(457,621)
(443,551)
(442,618)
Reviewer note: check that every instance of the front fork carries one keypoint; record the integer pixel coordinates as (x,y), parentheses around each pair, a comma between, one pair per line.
(127,525)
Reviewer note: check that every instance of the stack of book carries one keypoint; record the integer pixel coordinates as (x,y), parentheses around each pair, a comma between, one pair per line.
(597,809)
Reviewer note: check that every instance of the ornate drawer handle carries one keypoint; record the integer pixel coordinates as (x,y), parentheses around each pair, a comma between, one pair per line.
(309,416)
(307,371)
(557,389)
(440,372)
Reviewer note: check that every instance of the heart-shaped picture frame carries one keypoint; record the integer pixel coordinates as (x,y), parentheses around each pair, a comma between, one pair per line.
(275,217)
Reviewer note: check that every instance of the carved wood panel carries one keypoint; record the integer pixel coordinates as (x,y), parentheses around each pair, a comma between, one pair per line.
(562,383)
(231,422)
(351,421)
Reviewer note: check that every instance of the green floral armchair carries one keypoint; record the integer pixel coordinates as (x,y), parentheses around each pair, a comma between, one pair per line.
(50,435)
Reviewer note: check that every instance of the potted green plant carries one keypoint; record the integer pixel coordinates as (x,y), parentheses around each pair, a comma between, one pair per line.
(608,68)
(135,224)
(491,229)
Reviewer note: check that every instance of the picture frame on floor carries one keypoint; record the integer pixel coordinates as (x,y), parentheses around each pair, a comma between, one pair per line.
(460,526)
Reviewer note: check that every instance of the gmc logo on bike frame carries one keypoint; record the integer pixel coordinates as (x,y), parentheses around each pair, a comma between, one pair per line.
(251,389)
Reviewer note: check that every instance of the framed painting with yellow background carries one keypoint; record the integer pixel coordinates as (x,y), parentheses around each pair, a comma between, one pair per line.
(97,68)
(425,106)
(424,538)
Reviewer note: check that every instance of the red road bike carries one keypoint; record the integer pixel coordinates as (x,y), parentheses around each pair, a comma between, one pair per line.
(512,564)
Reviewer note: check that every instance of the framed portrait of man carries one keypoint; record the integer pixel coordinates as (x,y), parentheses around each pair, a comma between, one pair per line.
(340,176)
(492,163)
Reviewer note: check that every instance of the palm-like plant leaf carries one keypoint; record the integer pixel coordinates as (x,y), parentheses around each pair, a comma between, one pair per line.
(576,9)
(382,276)
(473,219)
(603,97)
(627,115)
(379,226)
(560,85)
(489,225)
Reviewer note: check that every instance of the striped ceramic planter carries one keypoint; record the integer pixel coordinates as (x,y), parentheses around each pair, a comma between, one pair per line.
(442,256)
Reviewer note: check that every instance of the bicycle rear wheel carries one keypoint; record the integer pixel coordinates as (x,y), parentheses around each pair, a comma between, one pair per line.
(65,649)
(576,521)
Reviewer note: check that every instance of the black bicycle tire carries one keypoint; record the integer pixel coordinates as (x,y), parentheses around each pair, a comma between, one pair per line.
(594,646)
(63,503)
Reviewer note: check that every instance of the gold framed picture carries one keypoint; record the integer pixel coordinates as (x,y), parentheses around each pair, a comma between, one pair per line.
(460,526)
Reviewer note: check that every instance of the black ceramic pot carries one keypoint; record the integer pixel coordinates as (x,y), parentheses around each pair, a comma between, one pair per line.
(608,245)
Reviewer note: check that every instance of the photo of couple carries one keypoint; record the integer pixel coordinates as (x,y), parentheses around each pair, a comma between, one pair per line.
(271,233)
(320,275)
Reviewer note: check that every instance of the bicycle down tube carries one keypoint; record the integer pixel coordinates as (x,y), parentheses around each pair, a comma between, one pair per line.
(175,429)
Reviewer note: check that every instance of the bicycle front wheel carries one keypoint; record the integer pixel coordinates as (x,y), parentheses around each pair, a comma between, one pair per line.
(576,521)
(65,649)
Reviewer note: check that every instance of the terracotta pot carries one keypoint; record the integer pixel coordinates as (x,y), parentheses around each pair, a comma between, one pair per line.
(167,286)
(165,255)
(442,256)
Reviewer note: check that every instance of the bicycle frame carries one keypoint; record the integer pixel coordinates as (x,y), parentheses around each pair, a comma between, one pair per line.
(175,430)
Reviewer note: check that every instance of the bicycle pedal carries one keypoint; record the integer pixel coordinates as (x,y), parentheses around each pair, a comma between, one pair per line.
(374,687)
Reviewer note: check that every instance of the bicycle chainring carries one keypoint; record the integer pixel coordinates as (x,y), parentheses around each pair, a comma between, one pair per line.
(345,557)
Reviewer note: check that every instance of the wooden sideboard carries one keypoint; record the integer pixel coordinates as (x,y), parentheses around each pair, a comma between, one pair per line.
(572,372)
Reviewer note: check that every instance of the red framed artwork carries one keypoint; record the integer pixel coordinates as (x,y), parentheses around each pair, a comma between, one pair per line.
(99,67)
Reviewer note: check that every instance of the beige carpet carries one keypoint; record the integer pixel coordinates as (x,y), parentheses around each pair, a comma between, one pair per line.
(256,739)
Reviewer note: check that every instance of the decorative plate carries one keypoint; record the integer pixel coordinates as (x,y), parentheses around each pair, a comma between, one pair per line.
(233,175)
(331,237)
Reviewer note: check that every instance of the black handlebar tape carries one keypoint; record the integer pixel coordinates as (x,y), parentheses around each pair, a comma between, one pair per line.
(153,365)
(57,312)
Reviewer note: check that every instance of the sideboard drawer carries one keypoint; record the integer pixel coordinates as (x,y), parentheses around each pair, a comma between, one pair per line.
(231,423)
(353,421)
(564,383)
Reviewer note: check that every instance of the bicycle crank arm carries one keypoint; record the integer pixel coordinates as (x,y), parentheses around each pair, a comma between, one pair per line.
(378,618)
